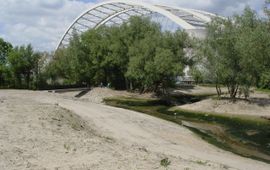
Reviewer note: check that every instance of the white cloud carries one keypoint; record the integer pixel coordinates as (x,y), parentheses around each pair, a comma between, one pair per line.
(42,22)
(38,22)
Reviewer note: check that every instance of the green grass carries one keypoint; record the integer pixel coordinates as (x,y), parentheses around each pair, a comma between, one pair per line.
(236,137)
(210,85)
(267,91)
(165,162)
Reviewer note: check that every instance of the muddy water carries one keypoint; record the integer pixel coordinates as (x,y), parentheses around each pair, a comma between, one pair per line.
(220,134)
(246,138)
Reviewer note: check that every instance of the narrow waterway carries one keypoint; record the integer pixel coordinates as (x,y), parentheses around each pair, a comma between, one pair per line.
(248,138)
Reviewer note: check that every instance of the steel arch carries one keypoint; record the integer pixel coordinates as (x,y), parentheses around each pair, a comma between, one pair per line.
(193,21)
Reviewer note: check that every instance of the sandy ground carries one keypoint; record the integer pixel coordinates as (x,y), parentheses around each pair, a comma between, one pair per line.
(257,105)
(97,95)
(199,90)
(41,131)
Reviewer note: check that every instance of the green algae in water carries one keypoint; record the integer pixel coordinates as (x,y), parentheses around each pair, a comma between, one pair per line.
(246,136)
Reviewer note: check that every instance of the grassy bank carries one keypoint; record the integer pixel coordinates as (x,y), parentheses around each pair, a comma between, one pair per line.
(264,91)
(244,135)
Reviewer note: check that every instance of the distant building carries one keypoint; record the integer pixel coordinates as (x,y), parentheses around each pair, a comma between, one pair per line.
(185,81)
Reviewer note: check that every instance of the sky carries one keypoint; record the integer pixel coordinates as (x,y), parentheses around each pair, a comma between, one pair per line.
(43,22)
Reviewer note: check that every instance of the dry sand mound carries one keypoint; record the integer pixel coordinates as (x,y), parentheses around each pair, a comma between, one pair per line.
(257,105)
(199,90)
(97,95)
(253,107)
(36,135)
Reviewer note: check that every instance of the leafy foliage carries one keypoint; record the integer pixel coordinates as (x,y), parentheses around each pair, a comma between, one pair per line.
(5,48)
(197,74)
(267,8)
(23,63)
(265,80)
(237,51)
(19,66)
(135,55)
(138,55)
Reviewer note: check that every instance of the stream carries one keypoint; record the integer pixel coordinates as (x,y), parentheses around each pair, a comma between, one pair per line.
(246,137)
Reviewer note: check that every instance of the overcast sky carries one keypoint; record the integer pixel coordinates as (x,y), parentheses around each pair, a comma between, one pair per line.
(42,22)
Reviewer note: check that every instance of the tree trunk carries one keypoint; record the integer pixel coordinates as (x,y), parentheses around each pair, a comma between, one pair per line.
(127,84)
(156,88)
(141,90)
(218,89)
(131,85)
(233,89)
(18,81)
(28,80)
(1,82)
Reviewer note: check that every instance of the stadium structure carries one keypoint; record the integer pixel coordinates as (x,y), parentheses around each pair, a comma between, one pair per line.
(117,12)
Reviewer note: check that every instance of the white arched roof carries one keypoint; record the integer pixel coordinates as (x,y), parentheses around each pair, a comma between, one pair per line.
(118,11)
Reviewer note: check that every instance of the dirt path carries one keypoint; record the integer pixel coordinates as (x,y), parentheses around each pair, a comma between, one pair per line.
(46,131)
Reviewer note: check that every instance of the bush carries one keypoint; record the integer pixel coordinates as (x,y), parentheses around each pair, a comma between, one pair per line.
(265,80)
(165,162)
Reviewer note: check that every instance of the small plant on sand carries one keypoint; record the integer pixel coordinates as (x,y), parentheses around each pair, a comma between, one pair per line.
(201,162)
(225,167)
(67,147)
(165,162)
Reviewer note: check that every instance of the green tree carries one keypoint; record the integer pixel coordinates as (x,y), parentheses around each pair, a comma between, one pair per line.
(267,8)
(196,74)
(5,48)
(221,54)
(236,50)
(156,61)
(134,55)
(96,46)
(265,80)
(22,62)
(141,52)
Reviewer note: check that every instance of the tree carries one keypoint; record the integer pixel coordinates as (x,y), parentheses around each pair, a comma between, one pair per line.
(40,77)
(265,76)
(130,35)
(222,56)
(164,69)
(196,74)
(22,62)
(265,80)
(267,8)
(134,55)
(5,48)
(141,52)
(96,44)
(237,51)
(156,60)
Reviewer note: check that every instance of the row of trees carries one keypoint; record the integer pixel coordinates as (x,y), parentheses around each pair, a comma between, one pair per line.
(138,55)
(135,55)
(236,53)
(18,66)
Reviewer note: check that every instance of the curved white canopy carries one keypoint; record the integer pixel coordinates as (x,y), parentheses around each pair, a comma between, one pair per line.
(118,11)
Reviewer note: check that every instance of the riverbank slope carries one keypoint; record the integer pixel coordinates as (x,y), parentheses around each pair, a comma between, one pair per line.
(41,130)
